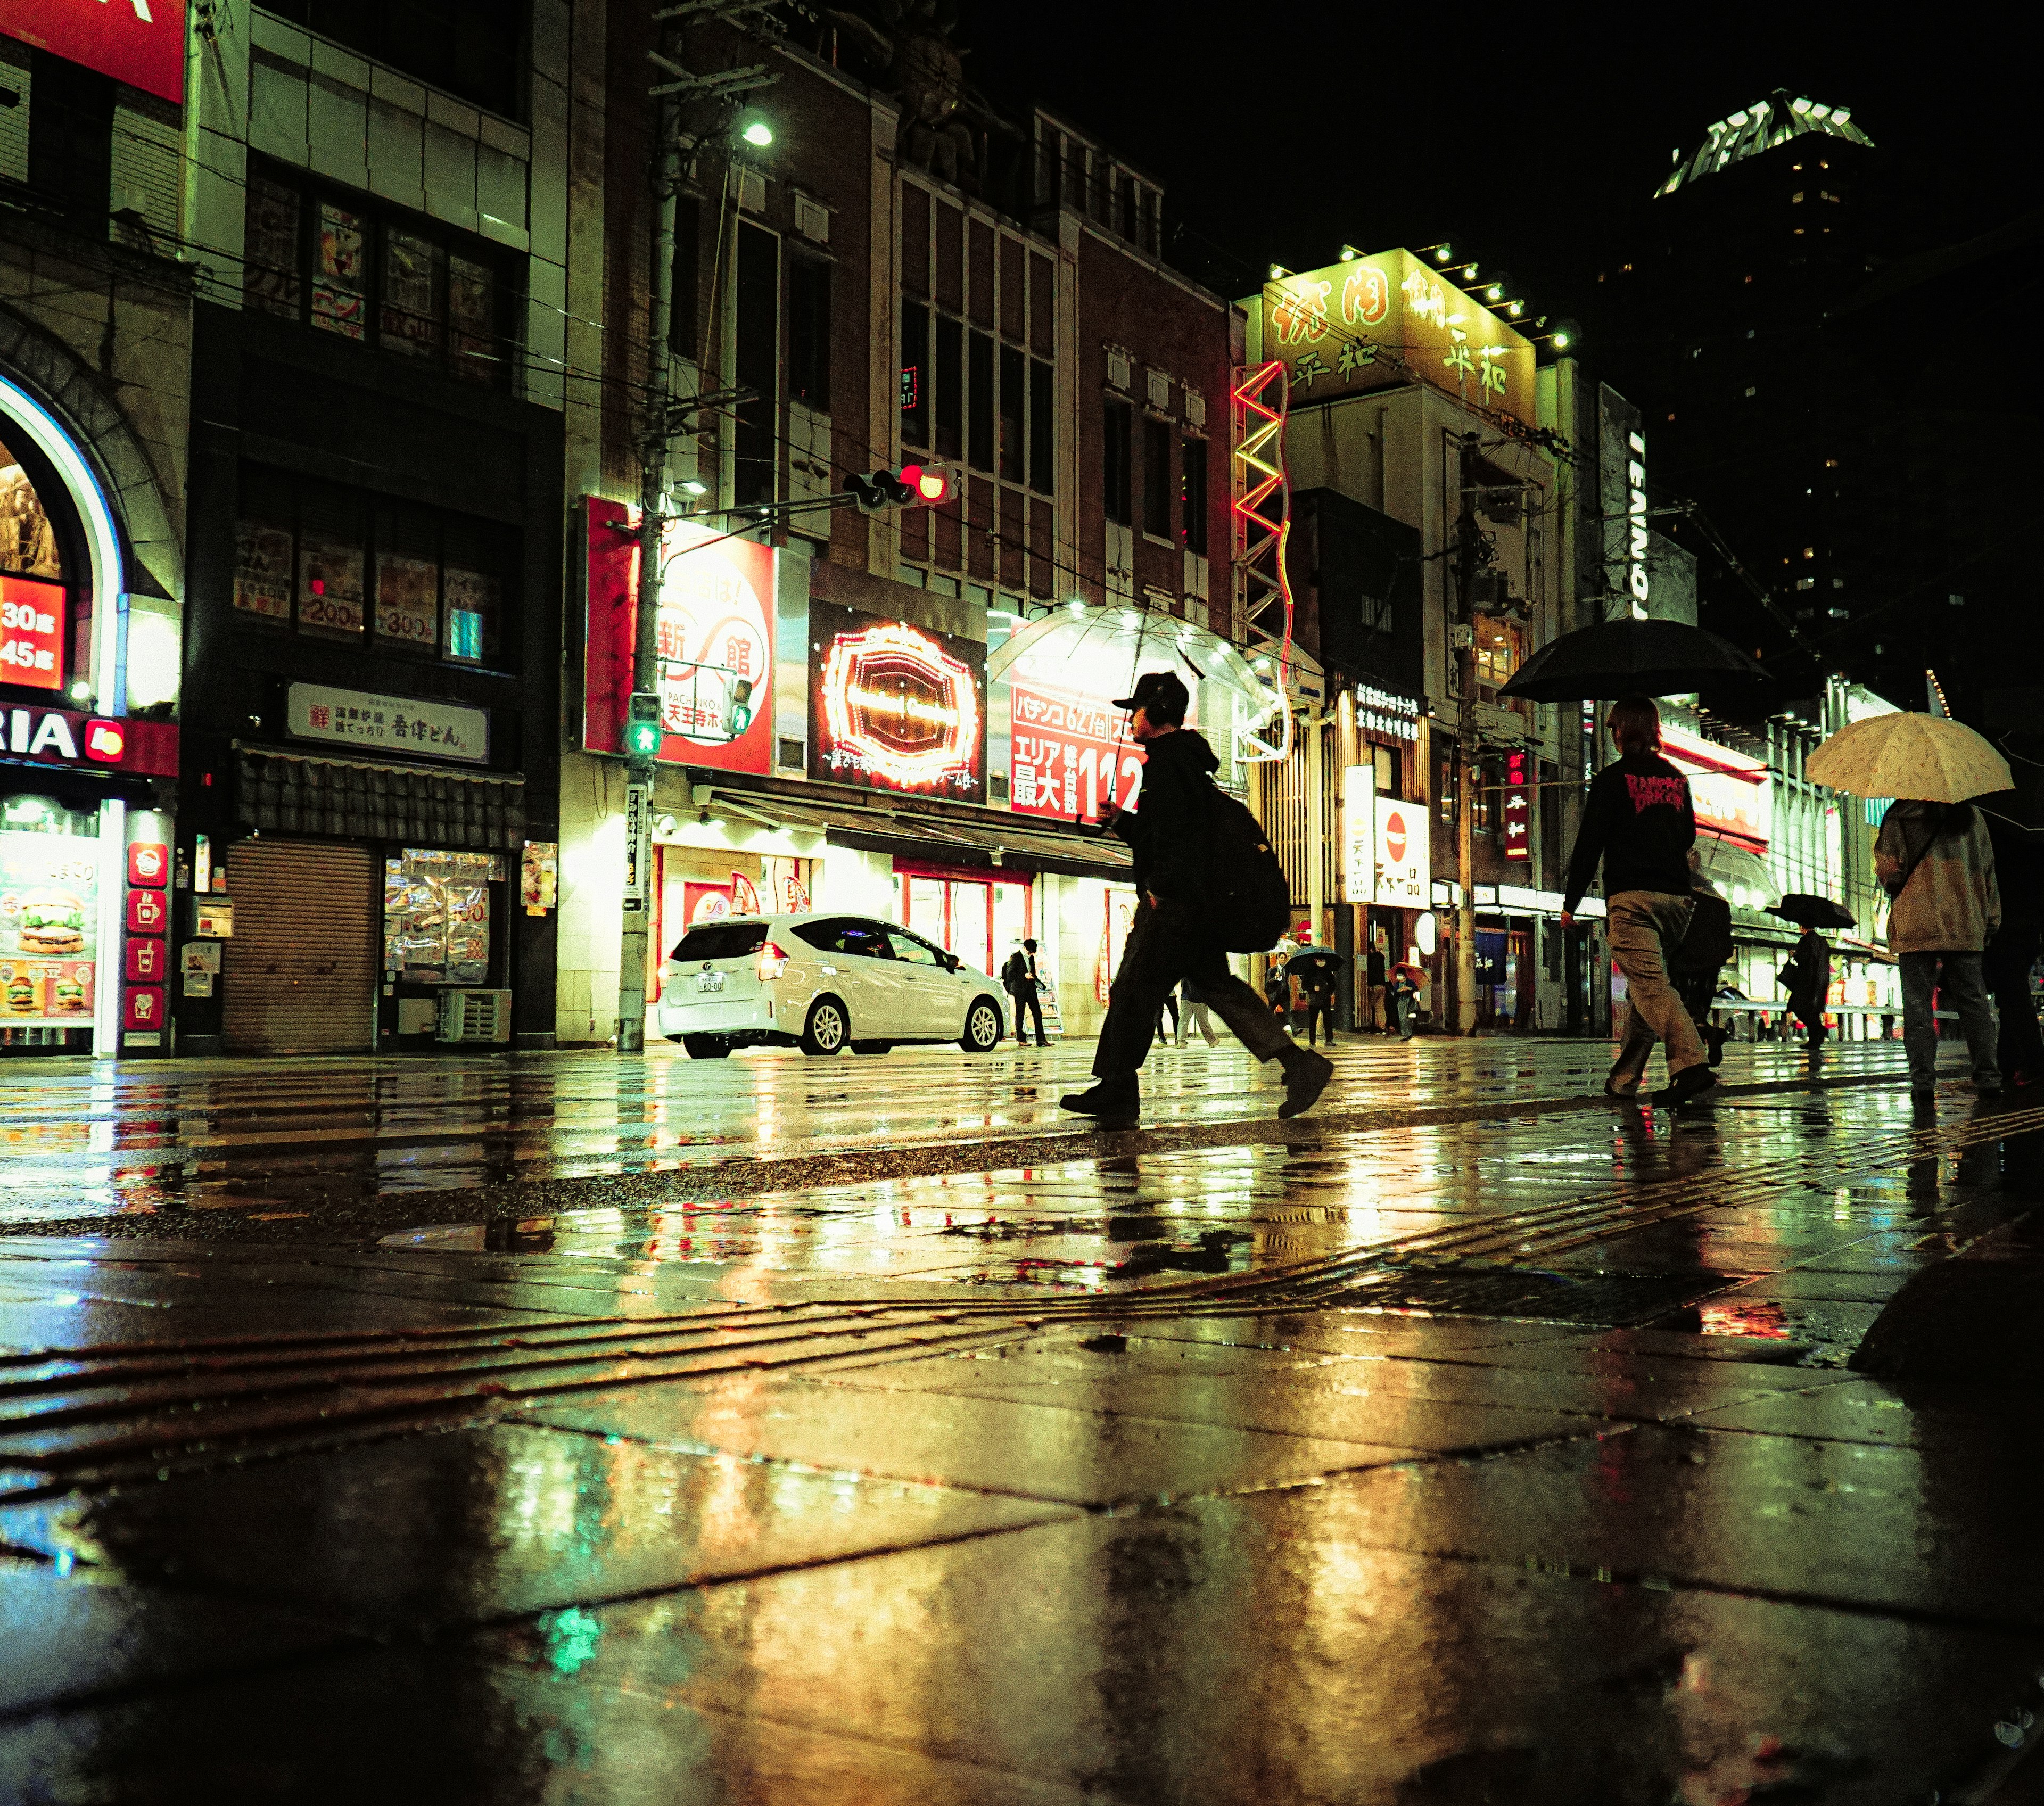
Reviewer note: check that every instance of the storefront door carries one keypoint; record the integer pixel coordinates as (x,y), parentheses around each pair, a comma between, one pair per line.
(301,975)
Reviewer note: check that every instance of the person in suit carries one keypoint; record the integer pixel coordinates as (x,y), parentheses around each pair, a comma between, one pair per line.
(1019,978)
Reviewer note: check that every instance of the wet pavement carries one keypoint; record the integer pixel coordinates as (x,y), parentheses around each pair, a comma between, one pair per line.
(573,1428)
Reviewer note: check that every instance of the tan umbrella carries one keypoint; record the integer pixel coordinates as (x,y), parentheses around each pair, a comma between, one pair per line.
(1925,757)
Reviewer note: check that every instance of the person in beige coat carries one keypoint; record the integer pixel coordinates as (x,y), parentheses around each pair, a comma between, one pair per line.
(1936,862)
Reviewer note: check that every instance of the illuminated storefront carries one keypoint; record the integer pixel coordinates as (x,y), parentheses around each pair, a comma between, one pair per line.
(86,828)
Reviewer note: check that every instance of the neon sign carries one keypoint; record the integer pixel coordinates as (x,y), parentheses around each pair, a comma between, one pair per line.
(898,710)
(1635,522)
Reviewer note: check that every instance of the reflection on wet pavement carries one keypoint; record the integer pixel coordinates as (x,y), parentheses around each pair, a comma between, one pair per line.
(1508,1454)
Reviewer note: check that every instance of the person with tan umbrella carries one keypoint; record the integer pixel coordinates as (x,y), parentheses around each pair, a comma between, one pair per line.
(1934,859)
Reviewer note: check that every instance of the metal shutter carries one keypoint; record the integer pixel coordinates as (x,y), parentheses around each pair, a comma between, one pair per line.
(300,975)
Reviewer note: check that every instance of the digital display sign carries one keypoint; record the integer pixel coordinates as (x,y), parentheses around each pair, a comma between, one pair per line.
(895,706)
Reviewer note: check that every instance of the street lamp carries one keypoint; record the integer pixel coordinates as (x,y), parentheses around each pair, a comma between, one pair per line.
(757,133)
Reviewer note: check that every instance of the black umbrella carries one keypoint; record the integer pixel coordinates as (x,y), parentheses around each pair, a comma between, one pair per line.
(1632,657)
(1808,912)
(1317,956)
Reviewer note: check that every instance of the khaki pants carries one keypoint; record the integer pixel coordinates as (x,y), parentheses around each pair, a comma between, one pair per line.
(1643,926)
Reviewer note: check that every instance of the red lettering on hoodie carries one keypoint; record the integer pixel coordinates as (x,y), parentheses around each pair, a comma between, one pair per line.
(1648,793)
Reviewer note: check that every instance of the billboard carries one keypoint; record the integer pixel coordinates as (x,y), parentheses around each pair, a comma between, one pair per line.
(714,634)
(896,707)
(141,42)
(1729,791)
(1069,753)
(1405,854)
(1338,329)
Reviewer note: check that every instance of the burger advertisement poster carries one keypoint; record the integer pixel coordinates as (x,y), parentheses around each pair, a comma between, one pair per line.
(48,906)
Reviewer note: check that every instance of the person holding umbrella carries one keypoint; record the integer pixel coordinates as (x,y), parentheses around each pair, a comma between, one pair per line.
(1640,822)
(1934,859)
(1406,981)
(1808,980)
(1315,968)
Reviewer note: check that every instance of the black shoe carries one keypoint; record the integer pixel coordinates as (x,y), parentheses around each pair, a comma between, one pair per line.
(1305,1079)
(1618,1097)
(1042,1043)
(1117,1106)
(1690,1082)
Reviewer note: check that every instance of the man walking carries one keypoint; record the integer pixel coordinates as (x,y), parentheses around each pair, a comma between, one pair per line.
(1174,937)
(1936,861)
(1640,822)
(1375,987)
(1018,979)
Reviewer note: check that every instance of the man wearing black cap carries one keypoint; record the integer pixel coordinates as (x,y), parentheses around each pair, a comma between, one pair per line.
(1173,937)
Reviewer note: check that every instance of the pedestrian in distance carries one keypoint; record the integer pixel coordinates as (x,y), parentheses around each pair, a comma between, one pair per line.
(1019,978)
(1193,1014)
(1176,935)
(1640,822)
(1404,990)
(1375,988)
(1935,860)
(1317,980)
(1170,1003)
(1697,963)
(1806,978)
(2019,874)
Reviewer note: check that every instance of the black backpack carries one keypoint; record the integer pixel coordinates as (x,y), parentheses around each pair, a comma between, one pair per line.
(1249,902)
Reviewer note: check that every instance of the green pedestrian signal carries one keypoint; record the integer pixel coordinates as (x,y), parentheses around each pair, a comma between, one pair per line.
(642,727)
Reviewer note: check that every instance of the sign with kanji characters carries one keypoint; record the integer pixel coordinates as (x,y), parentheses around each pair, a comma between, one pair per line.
(1365,324)
(1517,805)
(1404,854)
(714,634)
(387,724)
(1068,754)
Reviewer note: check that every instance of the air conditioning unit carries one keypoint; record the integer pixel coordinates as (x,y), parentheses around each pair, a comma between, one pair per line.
(476,1016)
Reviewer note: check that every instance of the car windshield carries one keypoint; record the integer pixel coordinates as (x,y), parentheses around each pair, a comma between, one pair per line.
(721,940)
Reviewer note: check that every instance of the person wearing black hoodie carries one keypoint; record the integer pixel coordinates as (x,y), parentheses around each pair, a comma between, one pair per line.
(1173,939)
(1640,821)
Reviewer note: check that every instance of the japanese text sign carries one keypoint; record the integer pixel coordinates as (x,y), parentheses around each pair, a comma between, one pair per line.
(388,724)
(1070,754)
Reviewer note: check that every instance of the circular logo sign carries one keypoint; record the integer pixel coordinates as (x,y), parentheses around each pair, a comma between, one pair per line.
(1394,837)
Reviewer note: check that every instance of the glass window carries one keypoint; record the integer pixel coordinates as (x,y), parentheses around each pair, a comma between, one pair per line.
(1042,457)
(1117,455)
(339,272)
(808,333)
(330,564)
(408,580)
(1192,495)
(729,940)
(414,282)
(270,282)
(475,602)
(1013,389)
(979,438)
(912,950)
(472,320)
(437,917)
(915,373)
(1158,475)
(951,384)
(263,555)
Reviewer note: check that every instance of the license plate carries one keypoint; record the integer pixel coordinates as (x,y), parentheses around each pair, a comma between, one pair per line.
(710,981)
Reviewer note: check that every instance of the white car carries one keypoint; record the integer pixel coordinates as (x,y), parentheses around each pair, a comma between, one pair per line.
(821,983)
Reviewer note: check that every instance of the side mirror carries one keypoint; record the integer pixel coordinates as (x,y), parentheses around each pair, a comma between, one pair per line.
(952,963)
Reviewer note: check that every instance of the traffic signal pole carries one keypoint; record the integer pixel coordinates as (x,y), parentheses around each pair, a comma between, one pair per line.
(1466,740)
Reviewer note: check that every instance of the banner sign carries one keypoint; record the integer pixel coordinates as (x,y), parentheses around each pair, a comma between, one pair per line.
(1359,832)
(715,637)
(90,743)
(387,724)
(1068,754)
(141,42)
(1404,856)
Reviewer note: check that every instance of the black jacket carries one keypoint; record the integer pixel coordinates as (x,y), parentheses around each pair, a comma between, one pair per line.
(1640,821)
(1171,827)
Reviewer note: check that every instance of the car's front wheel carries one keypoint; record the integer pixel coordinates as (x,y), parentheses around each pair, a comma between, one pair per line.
(707,1046)
(826,1030)
(982,1027)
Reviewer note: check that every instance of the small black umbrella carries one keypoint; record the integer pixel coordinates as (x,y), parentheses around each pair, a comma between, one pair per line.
(1317,956)
(1633,658)
(1808,912)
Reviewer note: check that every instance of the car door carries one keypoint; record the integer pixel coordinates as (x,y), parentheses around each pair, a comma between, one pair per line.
(872,982)
(932,1001)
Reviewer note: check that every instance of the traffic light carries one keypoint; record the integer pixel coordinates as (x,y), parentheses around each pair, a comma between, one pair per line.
(642,727)
(918,484)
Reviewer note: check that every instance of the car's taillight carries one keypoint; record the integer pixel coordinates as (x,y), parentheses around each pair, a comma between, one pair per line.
(772,962)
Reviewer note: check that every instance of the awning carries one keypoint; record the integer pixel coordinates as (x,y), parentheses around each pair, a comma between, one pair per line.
(296,793)
(910,834)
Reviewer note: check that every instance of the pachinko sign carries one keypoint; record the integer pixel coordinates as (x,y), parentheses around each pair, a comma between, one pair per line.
(898,707)
(1068,754)
(713,636)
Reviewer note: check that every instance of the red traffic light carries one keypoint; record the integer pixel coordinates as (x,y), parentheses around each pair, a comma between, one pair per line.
(931,487)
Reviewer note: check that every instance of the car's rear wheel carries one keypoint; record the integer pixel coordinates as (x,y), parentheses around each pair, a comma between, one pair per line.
(982,1027)
(707,1046)
(825,1031)
(872,1047)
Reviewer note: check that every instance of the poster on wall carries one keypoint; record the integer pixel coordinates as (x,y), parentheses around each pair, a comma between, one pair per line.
(1405,854)
(715,637)
(1069,753)
(896,707)
(49,888)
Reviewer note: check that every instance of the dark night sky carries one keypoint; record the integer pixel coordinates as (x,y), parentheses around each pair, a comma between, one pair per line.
(1525,134)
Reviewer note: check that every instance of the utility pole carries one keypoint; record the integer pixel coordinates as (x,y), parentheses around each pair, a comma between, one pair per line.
(642,732)
(1463,639)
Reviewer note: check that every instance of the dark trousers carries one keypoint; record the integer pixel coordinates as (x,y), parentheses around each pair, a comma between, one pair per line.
(1320,1008)
(1957,976)
(1168,946)
(2019,1047)
(1028,1000)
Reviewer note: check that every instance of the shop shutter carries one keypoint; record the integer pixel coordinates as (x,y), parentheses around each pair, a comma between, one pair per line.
(301,975)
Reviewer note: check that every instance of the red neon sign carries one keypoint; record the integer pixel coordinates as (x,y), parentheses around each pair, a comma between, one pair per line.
(141,42)
(900,709)
(32,633)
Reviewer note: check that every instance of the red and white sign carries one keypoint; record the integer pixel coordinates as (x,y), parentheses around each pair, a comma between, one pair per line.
(1069,755)
(147,961)
(32,633)
(148,864)
(1404,862)
(141,42)
(1729,791)
(148,912)
(715,634)
(62,736)
(145,1008)
(1517,812)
